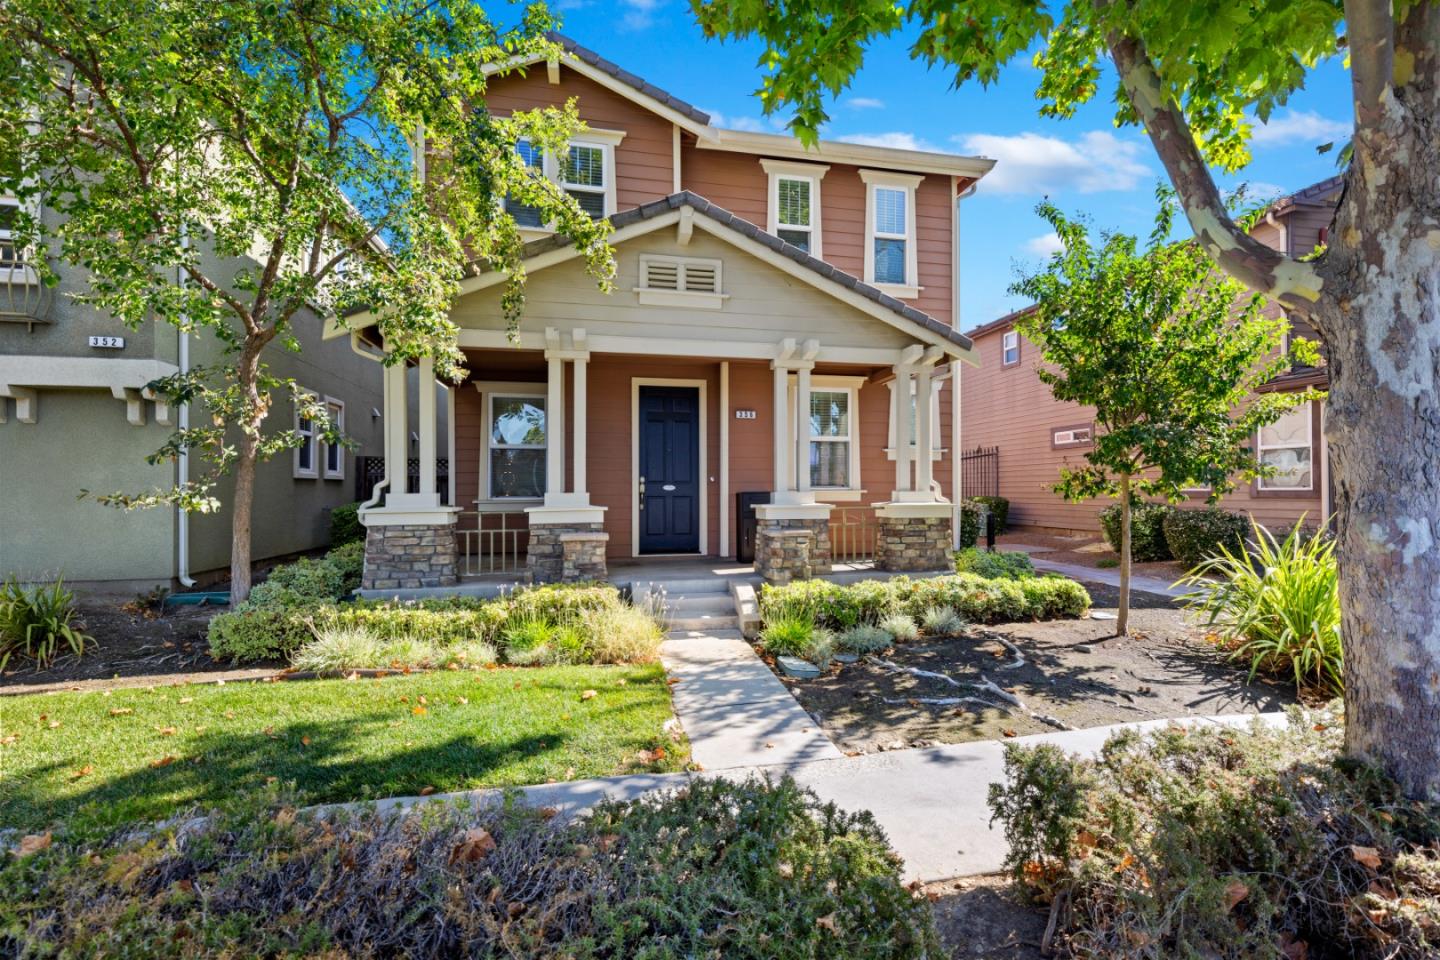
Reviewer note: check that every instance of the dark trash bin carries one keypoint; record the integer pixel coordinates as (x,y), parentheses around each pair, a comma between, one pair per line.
(746,523)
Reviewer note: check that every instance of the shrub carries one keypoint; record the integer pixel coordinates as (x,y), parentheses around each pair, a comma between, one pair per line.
(942,621)
(738,870)
(901,626)
(442,621)
(345,525)
(1012,564)
(974,599)
(1193,536)
(1000,507)
(349,562)
(787,636)
(1277,607)
(337,649)
(1147,530)
(562,602)
(305,579)
(969,525)
(864,639)
(1275,846)
(37,620)
(622,634)
(821,649)
(260,632)
(831,604)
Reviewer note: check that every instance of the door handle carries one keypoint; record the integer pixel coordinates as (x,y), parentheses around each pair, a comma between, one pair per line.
(642,493)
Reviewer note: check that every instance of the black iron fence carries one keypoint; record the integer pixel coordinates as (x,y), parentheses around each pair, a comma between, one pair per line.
(980,473)
(371,470)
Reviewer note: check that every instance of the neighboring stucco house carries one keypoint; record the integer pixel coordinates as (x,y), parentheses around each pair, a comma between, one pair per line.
(771,303)
(1007,407)
(75,416)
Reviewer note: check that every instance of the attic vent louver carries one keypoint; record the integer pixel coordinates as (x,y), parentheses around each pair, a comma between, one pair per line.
(680,282)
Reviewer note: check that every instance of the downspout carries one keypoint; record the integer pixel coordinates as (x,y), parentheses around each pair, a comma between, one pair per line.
(182,421)
(384,483)
(957,455)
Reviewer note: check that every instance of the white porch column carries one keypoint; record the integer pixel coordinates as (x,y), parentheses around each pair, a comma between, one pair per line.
(903,481)
(428,426)
(397,426)
(802,429)
(783,480)
(578,365)
(555,429)
(924,440)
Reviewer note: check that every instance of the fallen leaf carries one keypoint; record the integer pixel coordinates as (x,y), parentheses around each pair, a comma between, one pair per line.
(462,700)
(426,791)
(549,813)
(121,711)
(475,845)
(514,909)
(54,724)
(785,870)
(1008,732)
(270,732)
(421,699)
(33,844)
(165,731)
(304,741)
(827,922)
(1235,891)
(588,695)
(1366,856)
(186,700)
(1383,889)
(162,762)
(271,779)
(651,756)
(12,738)
(84,771)
(621,682)
(1085,839)
(606,841)
(419,711)
(285,817)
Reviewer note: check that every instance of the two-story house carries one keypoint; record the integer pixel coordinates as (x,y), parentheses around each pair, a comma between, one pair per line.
(1007,407)
(778,315)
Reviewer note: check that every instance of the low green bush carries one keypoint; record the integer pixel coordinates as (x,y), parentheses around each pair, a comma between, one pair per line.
(1147,530)
(973,598)
(338,649)
(787,636)
(743,871)
(901,626)
(1216,842)
(37,621)
(863,639)
(345,525)
(865,602)
(999,506)
(1012,564)
(969,525)
(1276,606)
(1194,536)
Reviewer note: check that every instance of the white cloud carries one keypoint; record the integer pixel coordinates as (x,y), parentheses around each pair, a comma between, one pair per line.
(865,103)
(639,14)
(895,140)
(1298,125)
(1045,244)
(746,124)
(1030,163)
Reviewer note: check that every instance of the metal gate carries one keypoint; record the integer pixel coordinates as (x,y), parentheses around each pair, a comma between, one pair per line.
(980,473)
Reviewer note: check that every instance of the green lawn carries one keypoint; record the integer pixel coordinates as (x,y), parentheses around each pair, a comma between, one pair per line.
(138,753)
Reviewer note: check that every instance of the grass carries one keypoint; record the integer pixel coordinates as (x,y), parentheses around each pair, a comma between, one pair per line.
(106,758)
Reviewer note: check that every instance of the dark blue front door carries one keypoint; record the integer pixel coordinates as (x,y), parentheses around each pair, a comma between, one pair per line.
(669,479)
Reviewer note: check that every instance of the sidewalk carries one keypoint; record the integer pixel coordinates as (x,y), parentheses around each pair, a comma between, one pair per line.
(1076,571)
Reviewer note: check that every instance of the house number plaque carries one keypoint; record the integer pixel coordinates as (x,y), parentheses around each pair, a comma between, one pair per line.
(744,414)
(108,343)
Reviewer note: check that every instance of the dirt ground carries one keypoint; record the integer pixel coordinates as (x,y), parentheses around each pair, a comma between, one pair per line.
(981,918)
(1072,673)
(132,649)
(1086,549)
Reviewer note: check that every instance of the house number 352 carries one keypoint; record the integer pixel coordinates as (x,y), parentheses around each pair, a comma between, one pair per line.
(108,343)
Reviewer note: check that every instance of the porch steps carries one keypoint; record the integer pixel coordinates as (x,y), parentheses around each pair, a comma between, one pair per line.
(691,605)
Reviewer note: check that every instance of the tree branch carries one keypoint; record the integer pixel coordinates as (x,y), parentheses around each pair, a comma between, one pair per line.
(1295,284)
(1370,30)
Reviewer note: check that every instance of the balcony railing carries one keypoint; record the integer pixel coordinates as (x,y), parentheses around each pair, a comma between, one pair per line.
(491,541)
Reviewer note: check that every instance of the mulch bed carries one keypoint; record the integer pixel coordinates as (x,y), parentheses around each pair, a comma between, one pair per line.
(1074,674)
(133,649)
(981,918)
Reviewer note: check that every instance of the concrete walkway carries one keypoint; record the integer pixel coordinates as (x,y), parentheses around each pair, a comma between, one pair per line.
(931,802)
(1076,571)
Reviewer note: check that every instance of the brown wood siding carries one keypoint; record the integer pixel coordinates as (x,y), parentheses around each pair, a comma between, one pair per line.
(1010,408)
(1305,224)
(644,161)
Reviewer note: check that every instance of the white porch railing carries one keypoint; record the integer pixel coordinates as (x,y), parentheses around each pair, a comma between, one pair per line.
(491,541)
(852,534)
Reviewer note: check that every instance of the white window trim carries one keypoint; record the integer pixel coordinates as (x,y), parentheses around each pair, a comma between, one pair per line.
(336,408)
(831,384)
(911,288)
(1067,437)
(24,274)
(489,390)
(788,170)
(1010,340)
(313,471)
(1263,483)
(937,388)
(607,141)
(692,299)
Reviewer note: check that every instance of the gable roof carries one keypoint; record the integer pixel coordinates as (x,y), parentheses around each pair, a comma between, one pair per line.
(1315,195)
(812,269)
(636,83)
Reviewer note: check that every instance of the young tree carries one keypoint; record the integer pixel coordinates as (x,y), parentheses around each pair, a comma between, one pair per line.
(263,151)
(1170,354)
(1193,73)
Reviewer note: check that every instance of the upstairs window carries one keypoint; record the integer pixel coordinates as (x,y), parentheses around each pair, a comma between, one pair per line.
(305,459)
(583,176)
(794,203)
(9,252)
(1076,436)
(1287,445)
(335,453)
(891,262)
(1010,348)
(524,214)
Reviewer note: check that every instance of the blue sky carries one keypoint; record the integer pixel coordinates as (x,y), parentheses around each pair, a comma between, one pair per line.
(1084,164)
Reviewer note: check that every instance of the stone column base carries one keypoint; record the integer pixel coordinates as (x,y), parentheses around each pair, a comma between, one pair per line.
(913,536)
(566,552)
(792,548)
(409,555)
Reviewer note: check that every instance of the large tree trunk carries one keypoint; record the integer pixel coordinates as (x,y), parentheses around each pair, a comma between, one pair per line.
(247,454)
(1122,615)
(1380,320)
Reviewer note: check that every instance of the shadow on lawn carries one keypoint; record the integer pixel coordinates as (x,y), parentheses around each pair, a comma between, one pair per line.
(320,758)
